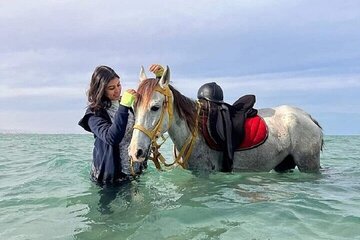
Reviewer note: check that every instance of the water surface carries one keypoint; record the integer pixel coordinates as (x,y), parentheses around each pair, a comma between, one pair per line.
(45,193)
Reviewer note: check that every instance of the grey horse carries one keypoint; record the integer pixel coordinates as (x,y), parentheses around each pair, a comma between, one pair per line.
(294,137)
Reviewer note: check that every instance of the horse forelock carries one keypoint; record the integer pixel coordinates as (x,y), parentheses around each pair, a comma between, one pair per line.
(144,92)
(184,106)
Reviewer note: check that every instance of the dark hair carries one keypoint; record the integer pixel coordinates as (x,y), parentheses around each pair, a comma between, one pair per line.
(96,93)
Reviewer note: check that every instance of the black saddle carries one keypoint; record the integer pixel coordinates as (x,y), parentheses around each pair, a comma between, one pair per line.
(225,124)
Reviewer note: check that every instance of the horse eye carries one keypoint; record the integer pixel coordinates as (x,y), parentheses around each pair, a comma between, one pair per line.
(154,108)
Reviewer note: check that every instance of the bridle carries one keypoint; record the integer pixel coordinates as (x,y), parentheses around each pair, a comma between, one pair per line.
(155,133)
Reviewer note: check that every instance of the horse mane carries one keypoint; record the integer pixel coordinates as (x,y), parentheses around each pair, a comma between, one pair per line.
(184,106)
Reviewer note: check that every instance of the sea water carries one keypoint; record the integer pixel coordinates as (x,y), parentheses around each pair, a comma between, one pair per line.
(45,193)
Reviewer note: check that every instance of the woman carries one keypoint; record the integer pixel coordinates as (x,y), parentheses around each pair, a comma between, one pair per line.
(111,122)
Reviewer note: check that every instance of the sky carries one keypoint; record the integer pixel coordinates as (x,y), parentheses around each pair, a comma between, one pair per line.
(301,53)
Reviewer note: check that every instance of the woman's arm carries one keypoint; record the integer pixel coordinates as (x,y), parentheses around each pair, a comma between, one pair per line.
(110,133)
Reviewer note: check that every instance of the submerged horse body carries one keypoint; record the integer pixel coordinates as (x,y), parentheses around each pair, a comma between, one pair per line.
(294,137)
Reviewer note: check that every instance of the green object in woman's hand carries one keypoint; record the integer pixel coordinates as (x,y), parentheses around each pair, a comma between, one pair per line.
(127,99)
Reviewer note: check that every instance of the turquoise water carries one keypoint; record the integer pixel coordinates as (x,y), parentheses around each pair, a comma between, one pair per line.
(45,193)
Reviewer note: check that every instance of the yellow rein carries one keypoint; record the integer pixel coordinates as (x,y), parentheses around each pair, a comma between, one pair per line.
(155,133)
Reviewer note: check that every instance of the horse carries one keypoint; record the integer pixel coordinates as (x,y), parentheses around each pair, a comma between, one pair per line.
(294,139)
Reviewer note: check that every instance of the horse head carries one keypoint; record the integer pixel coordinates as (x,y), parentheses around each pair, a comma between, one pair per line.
(153,113)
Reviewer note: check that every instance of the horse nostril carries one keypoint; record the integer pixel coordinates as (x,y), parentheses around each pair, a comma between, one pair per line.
(139,153)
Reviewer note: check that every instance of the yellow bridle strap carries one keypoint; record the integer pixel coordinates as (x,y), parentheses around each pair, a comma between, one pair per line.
(157,129)
(152,133)
(168,100)
(167,104)
(157,155)
(148,133)
(187,148)
(189,144)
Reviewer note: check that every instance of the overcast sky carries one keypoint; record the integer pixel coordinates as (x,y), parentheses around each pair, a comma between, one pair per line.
(302,53)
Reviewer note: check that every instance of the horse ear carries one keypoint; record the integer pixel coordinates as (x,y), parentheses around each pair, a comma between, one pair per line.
(142,76)
(165,79)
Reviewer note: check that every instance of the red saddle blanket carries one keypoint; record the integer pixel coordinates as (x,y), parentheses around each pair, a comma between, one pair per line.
(256,133)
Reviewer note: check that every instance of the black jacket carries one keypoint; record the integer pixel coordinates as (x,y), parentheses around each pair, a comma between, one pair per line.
(106,166)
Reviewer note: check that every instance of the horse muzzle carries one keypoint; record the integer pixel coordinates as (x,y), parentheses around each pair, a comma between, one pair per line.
(138,154)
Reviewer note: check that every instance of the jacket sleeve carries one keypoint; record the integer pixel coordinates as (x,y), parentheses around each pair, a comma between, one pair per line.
(110,133)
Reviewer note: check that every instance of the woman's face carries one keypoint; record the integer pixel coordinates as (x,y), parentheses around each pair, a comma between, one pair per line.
(113,89)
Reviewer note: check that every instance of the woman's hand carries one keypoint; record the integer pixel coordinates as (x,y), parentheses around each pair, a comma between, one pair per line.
(131,91)
(128,98)
(157,69)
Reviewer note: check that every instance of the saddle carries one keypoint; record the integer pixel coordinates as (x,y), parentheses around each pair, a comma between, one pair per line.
(229,128)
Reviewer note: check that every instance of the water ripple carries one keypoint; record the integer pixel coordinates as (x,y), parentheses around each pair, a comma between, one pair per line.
(45,193)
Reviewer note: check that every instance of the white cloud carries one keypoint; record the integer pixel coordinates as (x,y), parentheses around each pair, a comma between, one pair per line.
(58,92)
(289,83)
(272,83)
(267,84)
(47,22)
(49,48)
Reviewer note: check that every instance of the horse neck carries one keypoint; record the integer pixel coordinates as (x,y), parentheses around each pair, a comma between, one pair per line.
(179,131)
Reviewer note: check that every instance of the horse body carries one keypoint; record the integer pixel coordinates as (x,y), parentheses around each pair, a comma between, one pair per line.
(294,138)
